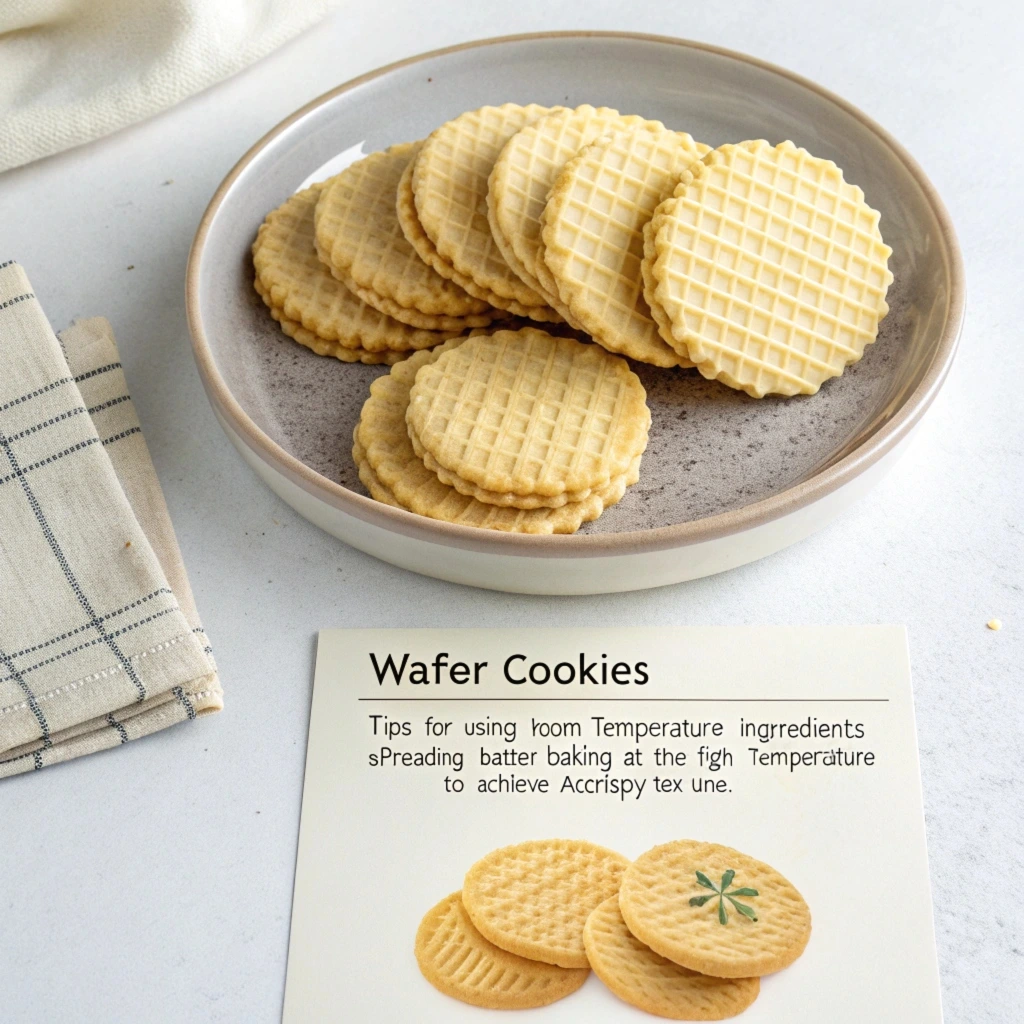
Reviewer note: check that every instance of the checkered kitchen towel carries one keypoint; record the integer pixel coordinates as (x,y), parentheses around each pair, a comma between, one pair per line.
(99,638)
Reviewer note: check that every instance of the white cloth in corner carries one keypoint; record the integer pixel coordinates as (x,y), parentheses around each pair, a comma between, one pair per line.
(74,70)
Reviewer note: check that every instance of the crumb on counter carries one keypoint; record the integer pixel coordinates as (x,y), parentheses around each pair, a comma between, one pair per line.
(994,624)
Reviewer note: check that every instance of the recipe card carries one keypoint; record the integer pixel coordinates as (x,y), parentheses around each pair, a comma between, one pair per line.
(782,759)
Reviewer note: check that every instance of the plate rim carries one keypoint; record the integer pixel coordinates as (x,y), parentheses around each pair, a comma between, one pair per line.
(735,521)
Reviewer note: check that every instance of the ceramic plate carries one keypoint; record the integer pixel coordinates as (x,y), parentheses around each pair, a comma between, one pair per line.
(725,478)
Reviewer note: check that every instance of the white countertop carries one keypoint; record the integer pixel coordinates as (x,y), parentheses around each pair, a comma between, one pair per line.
(154,883)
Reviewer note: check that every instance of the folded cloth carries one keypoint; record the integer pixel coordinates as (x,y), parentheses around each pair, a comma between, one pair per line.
(100,642)
(73,70)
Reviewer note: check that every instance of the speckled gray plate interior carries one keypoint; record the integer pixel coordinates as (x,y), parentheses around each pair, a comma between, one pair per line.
(711,449)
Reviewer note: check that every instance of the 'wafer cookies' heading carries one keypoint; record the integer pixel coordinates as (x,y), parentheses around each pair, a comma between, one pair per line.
(517,669)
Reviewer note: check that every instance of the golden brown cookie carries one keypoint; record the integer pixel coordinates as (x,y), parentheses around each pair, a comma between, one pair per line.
(458,961)
(642,978)
(525,172)
(358,236)
(593,235)
(525,413)
(304,291)
(427,251)
(321,346)
(449,183)
(392,473)
(769,267)
(534,898)
(714,910)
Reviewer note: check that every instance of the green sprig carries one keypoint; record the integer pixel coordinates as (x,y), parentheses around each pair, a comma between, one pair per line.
(723,893)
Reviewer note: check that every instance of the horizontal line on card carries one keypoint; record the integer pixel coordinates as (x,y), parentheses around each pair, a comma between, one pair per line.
(649,700)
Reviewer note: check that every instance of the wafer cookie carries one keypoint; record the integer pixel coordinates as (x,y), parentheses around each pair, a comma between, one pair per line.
(358,236)
(642,978)
(321,346)
(304,291)
(392,473)
(458,961)
(534,898)
(714,910)
(449,184)
(592,229)
(524,413)
(499,497)
(526,170)
(769,268)
(427,251)
(658,314)
(367,476)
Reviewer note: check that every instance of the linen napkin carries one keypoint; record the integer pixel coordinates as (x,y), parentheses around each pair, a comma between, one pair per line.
(100,642)
(73,70)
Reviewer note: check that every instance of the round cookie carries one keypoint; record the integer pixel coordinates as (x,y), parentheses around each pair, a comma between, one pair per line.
(458,961)
(668,901)
(658,314)
(304,291)
(769,267)
(524,413)
(359,238)
(498,497)
(367,476)
(592,229)
(525,172)
(534,898)
(449,184)
(409,221)
(392,473)
(642,978)
(321,346)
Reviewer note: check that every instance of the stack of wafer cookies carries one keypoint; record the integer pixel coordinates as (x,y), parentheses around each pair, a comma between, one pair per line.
(532,919)
(516,431)
(312,306)
(757,264)
(359,239)
(448,185)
